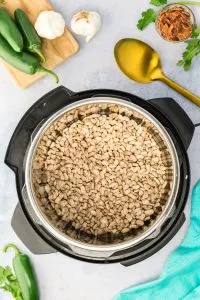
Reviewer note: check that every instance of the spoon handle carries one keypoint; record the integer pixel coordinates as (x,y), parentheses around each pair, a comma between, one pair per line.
(195,99)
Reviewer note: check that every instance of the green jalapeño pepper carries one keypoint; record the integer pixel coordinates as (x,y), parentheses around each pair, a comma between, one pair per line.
(22,61)
(33,42)
(9,31)
(24,274)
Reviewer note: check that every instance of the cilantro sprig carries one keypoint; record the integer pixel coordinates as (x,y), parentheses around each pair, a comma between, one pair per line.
(191,51)
(196,33)
(148,17)
(158,2)
(9,283)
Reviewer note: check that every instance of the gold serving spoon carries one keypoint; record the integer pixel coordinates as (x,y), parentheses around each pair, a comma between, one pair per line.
(141,63)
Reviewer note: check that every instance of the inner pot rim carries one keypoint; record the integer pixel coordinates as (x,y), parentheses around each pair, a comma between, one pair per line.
(53,230)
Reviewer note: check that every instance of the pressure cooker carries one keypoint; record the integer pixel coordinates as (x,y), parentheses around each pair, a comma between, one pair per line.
(34,228)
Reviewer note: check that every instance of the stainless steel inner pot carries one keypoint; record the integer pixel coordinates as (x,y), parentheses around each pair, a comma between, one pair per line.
(83,248)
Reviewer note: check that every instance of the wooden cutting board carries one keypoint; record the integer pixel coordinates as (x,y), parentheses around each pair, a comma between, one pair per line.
(56,51)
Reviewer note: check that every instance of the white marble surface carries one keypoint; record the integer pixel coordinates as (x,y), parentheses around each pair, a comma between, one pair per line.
(61,277)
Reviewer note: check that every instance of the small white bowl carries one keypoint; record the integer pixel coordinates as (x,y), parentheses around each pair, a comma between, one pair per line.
(169,7)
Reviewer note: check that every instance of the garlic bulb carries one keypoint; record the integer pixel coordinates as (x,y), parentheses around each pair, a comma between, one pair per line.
(50,25)
(86,23)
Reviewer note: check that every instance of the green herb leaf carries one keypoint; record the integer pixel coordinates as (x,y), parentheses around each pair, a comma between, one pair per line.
(148,17)
(9,283)
(192,50)
(158,2)
(196,32)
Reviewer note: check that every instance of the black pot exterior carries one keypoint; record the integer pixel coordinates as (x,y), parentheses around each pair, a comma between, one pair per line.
(166,110)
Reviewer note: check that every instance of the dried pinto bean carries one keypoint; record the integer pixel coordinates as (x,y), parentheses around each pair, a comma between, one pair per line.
(103,172)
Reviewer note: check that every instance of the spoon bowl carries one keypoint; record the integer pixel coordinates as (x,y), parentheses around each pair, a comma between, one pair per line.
(137,60)
(141,63)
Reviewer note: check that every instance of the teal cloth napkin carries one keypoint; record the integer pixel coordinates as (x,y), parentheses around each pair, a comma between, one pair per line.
(180,279)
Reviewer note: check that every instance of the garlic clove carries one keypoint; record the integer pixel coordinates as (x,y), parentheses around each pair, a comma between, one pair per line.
(86,23)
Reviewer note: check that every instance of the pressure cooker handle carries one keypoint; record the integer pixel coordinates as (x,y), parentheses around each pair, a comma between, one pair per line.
(42,109)
(177,117)
(27,234)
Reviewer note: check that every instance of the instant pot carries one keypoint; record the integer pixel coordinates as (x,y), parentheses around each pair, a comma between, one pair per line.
(35,230)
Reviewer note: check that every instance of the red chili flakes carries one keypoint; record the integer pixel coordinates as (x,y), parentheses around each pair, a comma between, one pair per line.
(175,24)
